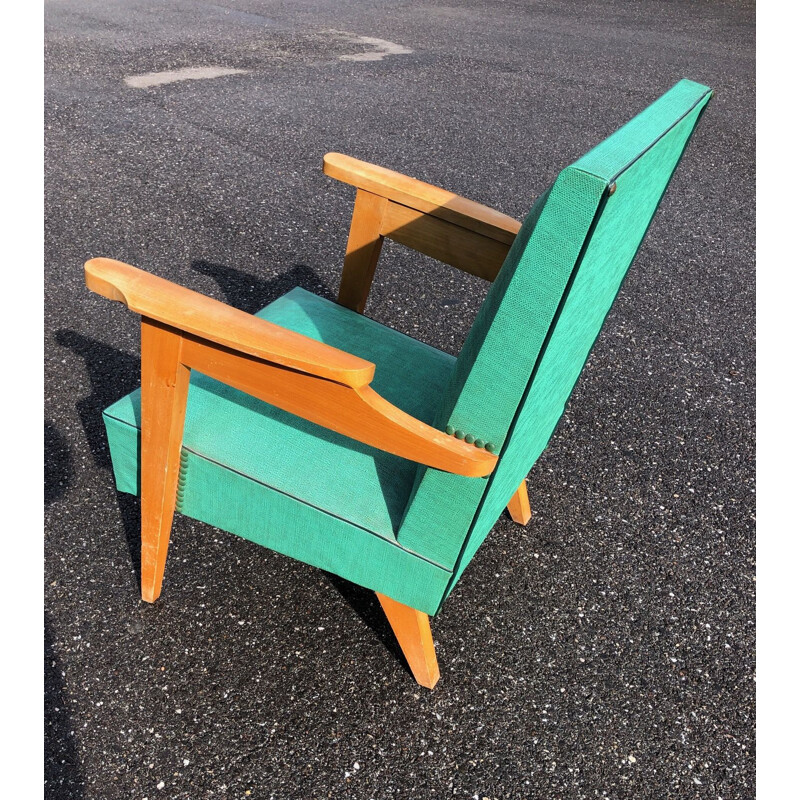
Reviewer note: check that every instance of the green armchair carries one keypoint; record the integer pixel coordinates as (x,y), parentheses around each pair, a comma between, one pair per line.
(315,431)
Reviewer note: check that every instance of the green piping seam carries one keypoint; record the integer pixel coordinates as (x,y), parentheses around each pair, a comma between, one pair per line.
(656,141)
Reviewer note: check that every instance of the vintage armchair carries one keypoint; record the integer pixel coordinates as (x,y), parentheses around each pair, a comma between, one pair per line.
(315,431)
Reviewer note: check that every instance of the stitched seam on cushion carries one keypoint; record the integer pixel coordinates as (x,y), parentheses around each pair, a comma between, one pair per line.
(392,542)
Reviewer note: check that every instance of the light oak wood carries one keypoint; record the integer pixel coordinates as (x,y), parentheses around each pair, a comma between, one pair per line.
(413,631)
(165,383)
(360,413)
(519,506)
(332,396)
(449,228)
(195,313)
(422,196)
(363,249)
(452,244)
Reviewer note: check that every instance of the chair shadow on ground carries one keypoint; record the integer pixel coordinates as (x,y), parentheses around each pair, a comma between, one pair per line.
(250,293)
(365,603)
(112,374)
(58,468)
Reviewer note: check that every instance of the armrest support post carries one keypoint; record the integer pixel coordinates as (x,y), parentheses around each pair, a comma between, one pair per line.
(363,249)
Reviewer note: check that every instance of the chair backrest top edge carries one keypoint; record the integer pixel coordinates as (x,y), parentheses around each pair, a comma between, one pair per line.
(609,159)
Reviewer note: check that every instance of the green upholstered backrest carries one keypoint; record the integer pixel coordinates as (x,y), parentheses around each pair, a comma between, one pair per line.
(542,315)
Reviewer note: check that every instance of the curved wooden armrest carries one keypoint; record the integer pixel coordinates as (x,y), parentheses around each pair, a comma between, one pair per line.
(195,313)
(422,197)
(293,372)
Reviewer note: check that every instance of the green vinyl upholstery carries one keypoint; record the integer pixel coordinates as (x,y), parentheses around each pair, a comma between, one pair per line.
(543,313)
(378,520)
(291,485)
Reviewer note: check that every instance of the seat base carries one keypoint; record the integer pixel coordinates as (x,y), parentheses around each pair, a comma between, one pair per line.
(287,484)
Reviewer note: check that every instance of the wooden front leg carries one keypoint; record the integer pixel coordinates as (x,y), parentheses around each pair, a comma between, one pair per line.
(413,631)
(519,506)
(363,249)
(165,384)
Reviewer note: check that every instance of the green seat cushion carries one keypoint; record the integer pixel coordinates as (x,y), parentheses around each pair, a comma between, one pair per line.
(334,473)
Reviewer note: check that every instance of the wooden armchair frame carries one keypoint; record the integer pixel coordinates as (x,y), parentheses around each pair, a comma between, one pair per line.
(184,330)
(569,289)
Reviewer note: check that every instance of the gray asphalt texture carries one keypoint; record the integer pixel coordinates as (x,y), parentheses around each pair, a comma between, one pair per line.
(604,650)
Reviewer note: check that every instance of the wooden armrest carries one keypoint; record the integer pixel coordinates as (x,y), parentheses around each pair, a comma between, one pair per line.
(185,329)
(195,313)
(422,197)
(449,228)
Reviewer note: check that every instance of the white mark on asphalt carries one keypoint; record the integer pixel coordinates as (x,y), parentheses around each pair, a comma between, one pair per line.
(382,48)
(186,74)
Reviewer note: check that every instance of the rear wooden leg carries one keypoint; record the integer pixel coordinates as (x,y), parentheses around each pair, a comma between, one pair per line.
(165,384)
(519,506)
(413,631)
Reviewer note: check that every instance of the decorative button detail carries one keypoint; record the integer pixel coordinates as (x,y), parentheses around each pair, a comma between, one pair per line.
(181,480)
(469,438)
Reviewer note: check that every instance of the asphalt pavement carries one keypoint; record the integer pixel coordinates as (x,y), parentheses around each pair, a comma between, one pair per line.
(607,649)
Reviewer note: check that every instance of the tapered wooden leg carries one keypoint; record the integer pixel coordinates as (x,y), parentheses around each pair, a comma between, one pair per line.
(519,506)
(363,248)
(413,631)
(165,383)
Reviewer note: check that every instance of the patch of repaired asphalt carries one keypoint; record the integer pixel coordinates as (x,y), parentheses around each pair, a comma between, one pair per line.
(150,79)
